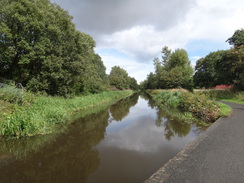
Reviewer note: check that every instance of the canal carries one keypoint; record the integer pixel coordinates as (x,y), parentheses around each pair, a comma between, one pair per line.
(125,143)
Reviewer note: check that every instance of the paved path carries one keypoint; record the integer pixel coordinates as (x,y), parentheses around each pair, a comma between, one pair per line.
(216,156)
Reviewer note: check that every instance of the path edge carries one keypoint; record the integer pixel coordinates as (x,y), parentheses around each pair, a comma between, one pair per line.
(163,173)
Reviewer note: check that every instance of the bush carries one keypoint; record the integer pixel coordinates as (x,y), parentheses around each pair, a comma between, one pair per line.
(169,98)
(200,106)
(10,93)
(197,104)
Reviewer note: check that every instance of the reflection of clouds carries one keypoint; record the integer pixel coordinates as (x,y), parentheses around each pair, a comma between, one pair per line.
(144,137)
(134,148)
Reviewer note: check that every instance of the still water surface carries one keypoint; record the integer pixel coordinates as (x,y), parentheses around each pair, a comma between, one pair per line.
(125,143)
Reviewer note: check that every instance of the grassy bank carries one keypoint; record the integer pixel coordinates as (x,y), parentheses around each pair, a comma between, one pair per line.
(191,106)
(40,114)
(224,95)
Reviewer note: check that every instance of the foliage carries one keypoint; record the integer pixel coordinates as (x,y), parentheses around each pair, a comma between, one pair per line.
(198,105)
(173,71)
(231,67)
(43,115)
(169,99)
(223,67)
(226,95)
(225,110)
(205,70)
(41,48)
(237,39)
(11,94)
(120,79)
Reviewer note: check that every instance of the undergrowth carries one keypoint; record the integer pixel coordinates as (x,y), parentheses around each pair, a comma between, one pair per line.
(198,104)
(225,95)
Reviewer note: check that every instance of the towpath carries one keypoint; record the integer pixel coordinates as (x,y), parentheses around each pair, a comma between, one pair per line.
(216,156)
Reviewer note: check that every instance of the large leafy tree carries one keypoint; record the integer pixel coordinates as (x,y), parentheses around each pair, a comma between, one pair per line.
(234,60)
(206,74)
(223,67)
(41,48)
(172,71)
(237,39)
(120,79)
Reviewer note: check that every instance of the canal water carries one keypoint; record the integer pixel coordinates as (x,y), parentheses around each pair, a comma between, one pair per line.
(125,143)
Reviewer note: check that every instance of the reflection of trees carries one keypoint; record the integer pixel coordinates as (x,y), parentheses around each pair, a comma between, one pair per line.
(147,97)
(173,126)
(70,158)
(122,108)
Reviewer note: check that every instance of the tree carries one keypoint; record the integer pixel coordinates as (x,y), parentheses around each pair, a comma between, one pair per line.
(173,71)
(133,83)
(41,48)
(223,67)
(231,67)
(234,60)
(118,77)
(206,74)
(237,39)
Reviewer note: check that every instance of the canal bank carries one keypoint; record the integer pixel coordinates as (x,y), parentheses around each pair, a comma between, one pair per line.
(126,142)
(215,156)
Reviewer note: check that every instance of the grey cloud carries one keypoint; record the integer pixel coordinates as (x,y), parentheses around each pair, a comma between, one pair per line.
(101,17)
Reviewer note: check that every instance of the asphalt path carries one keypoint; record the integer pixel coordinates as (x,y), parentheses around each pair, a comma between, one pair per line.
(216,156)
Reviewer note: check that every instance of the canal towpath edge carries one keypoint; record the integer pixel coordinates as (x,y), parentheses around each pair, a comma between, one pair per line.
(215,156)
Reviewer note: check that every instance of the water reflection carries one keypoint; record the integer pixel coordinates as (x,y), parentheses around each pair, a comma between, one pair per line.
(122,108)
(172,127)
(70,159)
(99,149)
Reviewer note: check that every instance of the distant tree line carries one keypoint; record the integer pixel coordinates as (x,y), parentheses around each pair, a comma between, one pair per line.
(41,48)
(120,79)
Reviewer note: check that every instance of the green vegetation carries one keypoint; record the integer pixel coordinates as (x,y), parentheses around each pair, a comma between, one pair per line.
(173,71)
(45,114)
(198,105)
(225,110)
(223,67)
(120,79)
(224,95)
(41,49)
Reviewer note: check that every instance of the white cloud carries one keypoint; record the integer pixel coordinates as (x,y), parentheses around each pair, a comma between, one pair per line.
(137,70)
(214,20)
(143,43)
(140,28)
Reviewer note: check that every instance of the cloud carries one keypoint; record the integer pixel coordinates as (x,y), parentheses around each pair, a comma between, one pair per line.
(137,70)
(140,28)
(109,16)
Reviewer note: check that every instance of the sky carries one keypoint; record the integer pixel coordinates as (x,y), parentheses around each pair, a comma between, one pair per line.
(131,33)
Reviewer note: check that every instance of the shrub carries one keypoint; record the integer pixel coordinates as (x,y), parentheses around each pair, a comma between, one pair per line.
(200,106)
(169,98)
(197,104)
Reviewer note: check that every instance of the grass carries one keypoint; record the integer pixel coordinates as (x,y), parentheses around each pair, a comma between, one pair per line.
(224,95)
(45,115)
(225,110)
